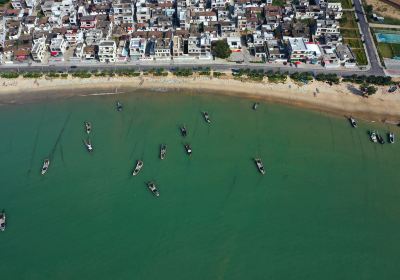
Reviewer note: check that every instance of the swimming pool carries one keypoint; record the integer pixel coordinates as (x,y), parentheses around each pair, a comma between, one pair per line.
(388,38)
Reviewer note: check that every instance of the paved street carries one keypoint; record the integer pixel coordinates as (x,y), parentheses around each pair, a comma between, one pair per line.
(375,67)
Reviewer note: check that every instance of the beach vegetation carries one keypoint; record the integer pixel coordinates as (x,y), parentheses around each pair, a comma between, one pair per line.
(9,75)
(32,75)
(64,75)
(277,77)
(53,75)
(128,73)
(221,49)
(375,80)
(185,72)
(218,74)
(82,74)
(329,78)
(368,89)
(158,72)
(303,77)
(205,72)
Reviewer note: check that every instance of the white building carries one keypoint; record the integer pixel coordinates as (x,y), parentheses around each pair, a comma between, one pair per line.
(39,50)
(107,51)
(137,48)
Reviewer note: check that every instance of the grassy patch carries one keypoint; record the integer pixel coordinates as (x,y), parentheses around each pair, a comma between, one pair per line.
(350,33)
(392,21)
(280,3)
(389,50)
(361,58)
(348,20)
(354,43)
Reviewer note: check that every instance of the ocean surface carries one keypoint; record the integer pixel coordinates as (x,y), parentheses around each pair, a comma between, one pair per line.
(328,207)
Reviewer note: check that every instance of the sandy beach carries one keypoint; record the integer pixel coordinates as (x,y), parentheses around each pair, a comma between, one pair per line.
(342,99)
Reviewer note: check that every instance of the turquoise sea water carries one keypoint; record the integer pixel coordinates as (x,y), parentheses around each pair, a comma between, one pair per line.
(328,207)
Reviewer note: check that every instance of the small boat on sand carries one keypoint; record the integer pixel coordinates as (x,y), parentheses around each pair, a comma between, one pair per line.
(153,188)
(163,151)
(372,136)
(45,166)
(88,127)
(138,167)
(119,106)
(88,145)
(206,117)
(255,105)
(260,165)
(391,137)
(183,130)
(353,122)
(3,220)
(188,149)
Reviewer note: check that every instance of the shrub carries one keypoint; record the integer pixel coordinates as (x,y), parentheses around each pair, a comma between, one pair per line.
(9,75)
(218,74)
(82,74)
(33,75)
(183,72)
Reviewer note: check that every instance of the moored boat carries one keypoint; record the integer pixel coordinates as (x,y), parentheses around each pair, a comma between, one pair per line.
(153,188)
(255,105)
(380,138)
(88,127)
(353,122)
(391,137)
(183,130)
(138,167)
(206,117)
(45,166)
(260,165)
(88,145)
(119,106)
(188,149)
(163,151)
(3,220)
(372,136)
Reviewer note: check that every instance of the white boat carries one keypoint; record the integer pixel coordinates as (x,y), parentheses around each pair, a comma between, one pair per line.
(206,117)
(88,127)
(88,145)
(163,151)
(188,149)
(45,166)
(372,136)
(391,137)
(255,105)
(139,165)
(353,122)
(3,220)
(119,106)
(260,165)
(183,130)
(152,187)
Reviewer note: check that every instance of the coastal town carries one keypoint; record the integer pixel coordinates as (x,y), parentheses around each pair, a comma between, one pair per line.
(271,32)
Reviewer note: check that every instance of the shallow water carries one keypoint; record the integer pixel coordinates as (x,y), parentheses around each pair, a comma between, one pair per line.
(328,207)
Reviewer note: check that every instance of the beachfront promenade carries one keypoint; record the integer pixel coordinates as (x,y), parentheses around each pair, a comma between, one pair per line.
(217,65)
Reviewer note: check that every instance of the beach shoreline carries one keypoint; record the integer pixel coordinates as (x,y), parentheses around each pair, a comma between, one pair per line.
(343,99)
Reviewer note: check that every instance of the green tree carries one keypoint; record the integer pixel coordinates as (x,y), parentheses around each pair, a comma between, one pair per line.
(221,49)
(368,89)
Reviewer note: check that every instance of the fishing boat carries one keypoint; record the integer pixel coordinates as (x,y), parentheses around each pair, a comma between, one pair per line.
(88,127)
(88,145)
(372,136)
(206,117)
(45,166)
(163,151)
(138,167)
(353,122)
(183,130)
(380,138)
(255,105)
(119,106)
(188,149)
(260,165)
(391,137)
(3,220)
(152,187)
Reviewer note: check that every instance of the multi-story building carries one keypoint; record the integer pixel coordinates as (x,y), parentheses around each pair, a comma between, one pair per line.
(107,51)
